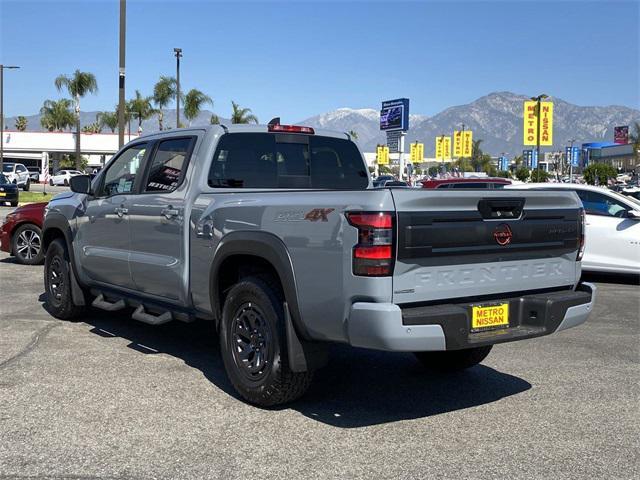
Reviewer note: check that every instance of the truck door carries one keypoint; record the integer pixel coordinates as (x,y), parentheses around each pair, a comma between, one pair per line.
(157,221)
(103,229)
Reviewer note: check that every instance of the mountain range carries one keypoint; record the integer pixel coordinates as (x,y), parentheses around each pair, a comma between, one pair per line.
(495,118)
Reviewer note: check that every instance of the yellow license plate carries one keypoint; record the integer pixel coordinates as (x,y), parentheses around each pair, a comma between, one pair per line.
(2,194)
(490,317)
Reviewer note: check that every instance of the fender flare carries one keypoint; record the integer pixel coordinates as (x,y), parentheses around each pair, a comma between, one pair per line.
(271,249)
(57,221)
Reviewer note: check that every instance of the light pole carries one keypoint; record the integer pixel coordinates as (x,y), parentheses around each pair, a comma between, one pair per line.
(538,99)
(2,67)
(178,53)
(571,160)
(121,106)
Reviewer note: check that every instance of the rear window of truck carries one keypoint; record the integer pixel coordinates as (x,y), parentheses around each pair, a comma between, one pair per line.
(278,160)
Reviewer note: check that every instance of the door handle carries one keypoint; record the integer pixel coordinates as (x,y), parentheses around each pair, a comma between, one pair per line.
(170,212)
(120,211)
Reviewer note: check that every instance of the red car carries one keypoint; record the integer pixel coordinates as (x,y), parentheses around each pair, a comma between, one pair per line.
(461,182)
(21,233)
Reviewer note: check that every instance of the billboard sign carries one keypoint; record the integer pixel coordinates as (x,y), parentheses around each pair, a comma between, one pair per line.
(530,123)
(467,143)
(393,141)
(534,158)
(575,156)
(621,134)
(394,115)
(526,158)
(457,143)
(443,148)
(503,163)
(382,155)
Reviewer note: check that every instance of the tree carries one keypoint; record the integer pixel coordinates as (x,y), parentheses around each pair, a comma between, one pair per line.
(539,176)
(194,100)
(21,123)
(77,85)
(522,174)
(353,134)
(384,170)
(94,127)
(163,92)
(600,171)
(635,139)
(108,119)
(476,155)
(214,120)
(140,107)
(433,171)
(242,115)
(57,115)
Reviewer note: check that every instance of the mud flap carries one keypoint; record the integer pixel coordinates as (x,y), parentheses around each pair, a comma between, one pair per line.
(77,294)
(304,356)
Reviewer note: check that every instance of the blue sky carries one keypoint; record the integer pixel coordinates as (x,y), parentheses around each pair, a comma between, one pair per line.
(297,59)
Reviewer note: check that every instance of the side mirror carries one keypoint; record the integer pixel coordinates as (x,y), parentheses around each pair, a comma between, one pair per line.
(633,214)
(81,184)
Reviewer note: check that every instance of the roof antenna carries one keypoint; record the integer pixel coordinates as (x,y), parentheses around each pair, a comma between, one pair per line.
(274,121)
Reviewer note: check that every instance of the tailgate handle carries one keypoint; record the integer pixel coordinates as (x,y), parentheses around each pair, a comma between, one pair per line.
(499,208)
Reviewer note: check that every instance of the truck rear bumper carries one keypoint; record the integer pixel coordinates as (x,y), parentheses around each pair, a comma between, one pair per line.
(386,326)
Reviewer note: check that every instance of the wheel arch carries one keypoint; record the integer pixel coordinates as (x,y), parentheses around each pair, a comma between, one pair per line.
(244,253)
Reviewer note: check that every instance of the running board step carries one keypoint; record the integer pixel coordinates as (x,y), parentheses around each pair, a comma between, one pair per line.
(141,315)
(100,302)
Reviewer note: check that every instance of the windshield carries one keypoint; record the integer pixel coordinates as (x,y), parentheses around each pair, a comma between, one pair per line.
(7,167)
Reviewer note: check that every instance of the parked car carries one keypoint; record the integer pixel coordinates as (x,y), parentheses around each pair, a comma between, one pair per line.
(379,181)
(395,184)
(464,182)
(34,174)
(63,177)
(17,173)
(21,233)
(275,234)
(612,227)
(8,191)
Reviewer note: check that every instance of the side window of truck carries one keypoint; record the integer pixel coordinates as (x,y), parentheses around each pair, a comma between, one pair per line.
(263,160)
(168,164)
(121,174)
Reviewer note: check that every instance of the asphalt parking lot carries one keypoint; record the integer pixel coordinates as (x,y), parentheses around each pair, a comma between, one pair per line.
(108,397)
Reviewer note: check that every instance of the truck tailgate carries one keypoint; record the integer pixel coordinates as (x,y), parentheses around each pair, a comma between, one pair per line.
(460,244)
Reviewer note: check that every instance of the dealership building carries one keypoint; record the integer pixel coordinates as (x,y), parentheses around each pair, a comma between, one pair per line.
(45,149)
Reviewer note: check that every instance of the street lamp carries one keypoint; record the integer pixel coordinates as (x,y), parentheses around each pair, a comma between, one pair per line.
(178,54)
(571,160)
(538,99)
(2,67)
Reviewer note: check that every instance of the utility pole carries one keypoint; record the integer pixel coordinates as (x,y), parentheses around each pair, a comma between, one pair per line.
(2,67)
(121,75)
(178,53)
(538,100)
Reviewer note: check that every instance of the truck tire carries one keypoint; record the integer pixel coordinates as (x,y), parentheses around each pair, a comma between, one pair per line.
(253,344)
(27,184)
(57,282)
(26,244)
(453,360)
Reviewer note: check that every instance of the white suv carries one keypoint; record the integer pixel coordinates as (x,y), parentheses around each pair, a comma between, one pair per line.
(63,177)
(17,173)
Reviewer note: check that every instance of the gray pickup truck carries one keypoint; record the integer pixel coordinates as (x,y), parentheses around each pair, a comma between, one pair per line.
(276,234)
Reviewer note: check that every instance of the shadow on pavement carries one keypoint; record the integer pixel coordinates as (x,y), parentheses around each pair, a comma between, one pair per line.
(358,388)
(618,278)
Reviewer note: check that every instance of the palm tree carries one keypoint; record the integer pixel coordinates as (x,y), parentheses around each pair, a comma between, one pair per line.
(78,85)
(21,123)
(57,115)
(163,92)
(353,134)
(108,119)
(242,115)
(214,120)
(140,107)
(476,155)
(193,103)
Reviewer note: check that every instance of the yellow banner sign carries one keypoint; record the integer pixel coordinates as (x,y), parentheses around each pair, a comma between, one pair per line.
(530,123)
(546,123)
(443,148)
(457,143)
(417,152)
(382,154)
(467,144)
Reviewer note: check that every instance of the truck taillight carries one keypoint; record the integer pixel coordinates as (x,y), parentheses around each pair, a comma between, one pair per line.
(373,255)
(581,227)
